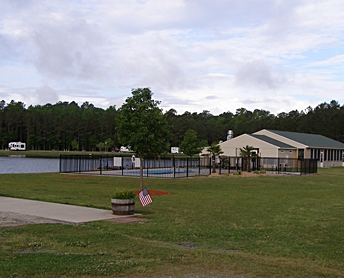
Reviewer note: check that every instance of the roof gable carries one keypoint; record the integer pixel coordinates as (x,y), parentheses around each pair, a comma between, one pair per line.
(251,140)
(272,141)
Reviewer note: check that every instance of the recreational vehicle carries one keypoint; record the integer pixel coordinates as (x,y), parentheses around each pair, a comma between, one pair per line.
(17,146)
(175,150)
(125,149)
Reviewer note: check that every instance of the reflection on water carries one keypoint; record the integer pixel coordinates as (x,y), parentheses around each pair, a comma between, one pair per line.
(20,165)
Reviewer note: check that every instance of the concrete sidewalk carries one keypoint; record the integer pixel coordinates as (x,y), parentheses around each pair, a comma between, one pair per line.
(65,213)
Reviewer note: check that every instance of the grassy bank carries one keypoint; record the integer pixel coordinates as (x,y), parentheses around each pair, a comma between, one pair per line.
(266,226)
(55,154)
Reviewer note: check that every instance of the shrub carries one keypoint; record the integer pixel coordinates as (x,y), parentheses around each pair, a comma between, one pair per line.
(124,195)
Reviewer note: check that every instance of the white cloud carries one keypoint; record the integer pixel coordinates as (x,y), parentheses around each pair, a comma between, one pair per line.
(46,95)
(333,61)
(259,75)
(195,55)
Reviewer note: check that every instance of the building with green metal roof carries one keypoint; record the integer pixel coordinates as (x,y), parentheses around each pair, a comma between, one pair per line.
(327,151)
(288,145)
(308,140)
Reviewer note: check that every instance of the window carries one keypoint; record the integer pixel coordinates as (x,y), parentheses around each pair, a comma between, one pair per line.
(301,154)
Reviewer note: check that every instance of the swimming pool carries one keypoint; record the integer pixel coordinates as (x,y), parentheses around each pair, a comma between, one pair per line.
(162,171)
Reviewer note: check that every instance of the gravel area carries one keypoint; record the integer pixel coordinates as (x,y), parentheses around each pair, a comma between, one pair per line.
(10,219)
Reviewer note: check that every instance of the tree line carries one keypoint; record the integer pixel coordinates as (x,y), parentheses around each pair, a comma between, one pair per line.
(69,126)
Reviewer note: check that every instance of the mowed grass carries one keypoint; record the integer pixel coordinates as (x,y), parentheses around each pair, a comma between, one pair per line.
(264,226)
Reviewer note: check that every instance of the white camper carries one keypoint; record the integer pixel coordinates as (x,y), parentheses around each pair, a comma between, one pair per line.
(125,149)
(17,146)
(174,149)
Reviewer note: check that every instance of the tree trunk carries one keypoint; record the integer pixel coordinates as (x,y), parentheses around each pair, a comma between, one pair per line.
(213,162)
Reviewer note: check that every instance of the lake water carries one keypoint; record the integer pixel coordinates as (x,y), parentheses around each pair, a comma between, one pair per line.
(21,165)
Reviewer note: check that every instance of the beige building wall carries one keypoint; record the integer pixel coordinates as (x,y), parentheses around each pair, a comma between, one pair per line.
(332,164)
(232,147)
(307,153)
(287,153)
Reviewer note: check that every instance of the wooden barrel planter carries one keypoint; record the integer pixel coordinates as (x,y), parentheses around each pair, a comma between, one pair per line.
(123,206)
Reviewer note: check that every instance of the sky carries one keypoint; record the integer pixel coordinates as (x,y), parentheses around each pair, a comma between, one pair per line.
(194,55)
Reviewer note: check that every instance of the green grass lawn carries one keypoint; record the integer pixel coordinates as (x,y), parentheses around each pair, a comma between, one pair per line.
(264,226)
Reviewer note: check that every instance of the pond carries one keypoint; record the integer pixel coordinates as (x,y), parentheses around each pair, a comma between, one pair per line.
(21,165)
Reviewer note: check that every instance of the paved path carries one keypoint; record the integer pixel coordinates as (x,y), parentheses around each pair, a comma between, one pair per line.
(66,213)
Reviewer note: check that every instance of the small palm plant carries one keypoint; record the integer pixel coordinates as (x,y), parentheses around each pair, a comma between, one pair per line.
(214,150)
(246,153)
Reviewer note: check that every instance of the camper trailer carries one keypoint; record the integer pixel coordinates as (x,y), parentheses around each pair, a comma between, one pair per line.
(125,149)
(17,146)
(174,149)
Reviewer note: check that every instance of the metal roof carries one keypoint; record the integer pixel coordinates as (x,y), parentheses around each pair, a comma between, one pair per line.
(272,141)
(310,140)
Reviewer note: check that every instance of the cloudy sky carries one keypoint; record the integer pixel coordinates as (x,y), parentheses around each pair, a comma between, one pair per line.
(195,55)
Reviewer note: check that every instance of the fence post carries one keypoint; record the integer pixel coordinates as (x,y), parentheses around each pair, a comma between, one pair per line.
(122,165)
(60,163)
(100,165)
(279,165)
(147,170)
(79,163)
(174,166)
(220,165)
(187,167)
(229,165)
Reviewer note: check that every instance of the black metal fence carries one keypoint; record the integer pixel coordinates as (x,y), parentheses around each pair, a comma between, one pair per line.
(176,167)
(170,167)
(287,165)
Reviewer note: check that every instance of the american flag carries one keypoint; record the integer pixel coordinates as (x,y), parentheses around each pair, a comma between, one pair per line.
(144,197)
